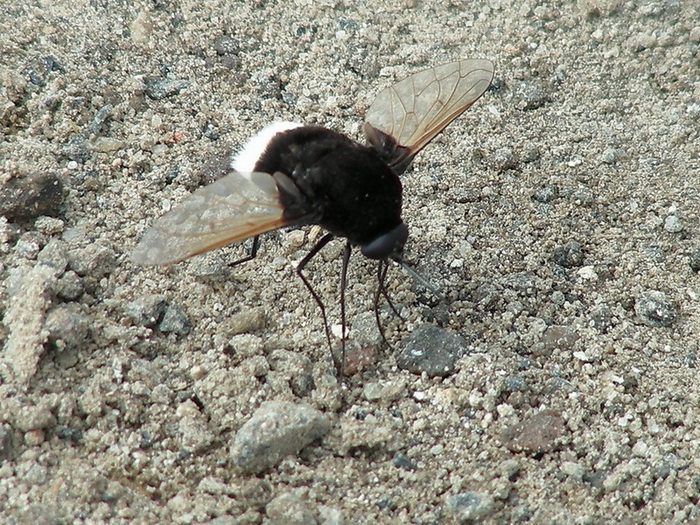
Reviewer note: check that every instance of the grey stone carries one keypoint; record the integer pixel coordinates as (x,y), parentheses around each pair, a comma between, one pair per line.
(164,88)
(654,308)
(276,430)
(569,255)
(470,506)
(147,310)
(175,321)
(529,95)
(432,350)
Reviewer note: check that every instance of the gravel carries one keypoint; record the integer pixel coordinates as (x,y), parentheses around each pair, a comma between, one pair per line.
(115,410)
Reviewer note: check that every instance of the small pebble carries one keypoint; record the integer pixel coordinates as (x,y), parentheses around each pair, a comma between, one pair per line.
(67,326)
(569,255)
(33,417)
(529,95)
(654,308)
(546,194)
(93,260)
(673,224)
(100,118)
(106,144)
(76,151)
(6,449)
(469,507)
(530,153)
(147,310)
(164,88)
(573,470)
(49,225)
(559,336)
(400,460)
(503,159)
(246,321)
(536,435)
(175,321)
(69,286)
(141,28)
(694,260)
(276,430)
(432,350)
(34,438)
(611,156)
(29,197)
(602,317)
(39,68)
(29,244)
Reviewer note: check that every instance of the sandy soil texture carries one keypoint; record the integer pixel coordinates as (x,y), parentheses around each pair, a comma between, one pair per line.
(559,217)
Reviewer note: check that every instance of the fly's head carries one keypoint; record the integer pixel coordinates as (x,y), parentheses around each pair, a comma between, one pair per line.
(387,244)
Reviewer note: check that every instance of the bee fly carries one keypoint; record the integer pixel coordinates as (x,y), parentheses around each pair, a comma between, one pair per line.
(292,175)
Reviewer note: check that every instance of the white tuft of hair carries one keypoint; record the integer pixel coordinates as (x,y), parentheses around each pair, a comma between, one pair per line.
(245,160)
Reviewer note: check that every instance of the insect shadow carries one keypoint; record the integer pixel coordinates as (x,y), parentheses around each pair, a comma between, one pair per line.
(290,175)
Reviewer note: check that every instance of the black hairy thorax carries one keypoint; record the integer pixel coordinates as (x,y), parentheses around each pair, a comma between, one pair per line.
(340,180)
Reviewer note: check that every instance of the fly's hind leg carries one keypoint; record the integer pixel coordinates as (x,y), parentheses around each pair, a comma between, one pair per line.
(251,255)
(300,268)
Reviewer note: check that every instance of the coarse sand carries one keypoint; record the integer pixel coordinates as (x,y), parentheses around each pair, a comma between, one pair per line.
(558,217)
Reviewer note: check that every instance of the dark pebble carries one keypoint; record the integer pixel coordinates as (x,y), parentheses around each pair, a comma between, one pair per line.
(29,197)
(400,460)
(530,153)
(653,308)
(225,45)
(38,70)
(539,434)
(6,451)
(569,255)
(76,148)
(695,260)
(524,282)
(546,194)
(69,434)
(164,88)
(602,317)
(100,118)
(175,321)
(432,350)
(486,296)
(515,383)
(386,504)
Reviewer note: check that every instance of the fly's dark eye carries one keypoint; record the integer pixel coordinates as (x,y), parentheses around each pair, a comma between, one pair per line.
(387,244)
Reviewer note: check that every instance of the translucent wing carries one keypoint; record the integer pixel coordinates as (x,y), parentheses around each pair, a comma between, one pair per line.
(406,116)
(232,209)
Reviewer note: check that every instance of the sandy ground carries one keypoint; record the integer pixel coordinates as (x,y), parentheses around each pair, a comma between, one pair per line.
(559,216)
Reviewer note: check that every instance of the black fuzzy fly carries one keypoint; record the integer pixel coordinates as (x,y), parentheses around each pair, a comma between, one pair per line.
(294,175)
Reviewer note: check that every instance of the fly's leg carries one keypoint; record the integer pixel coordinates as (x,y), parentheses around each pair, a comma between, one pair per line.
(300,268)
(253,253)
(343,282)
